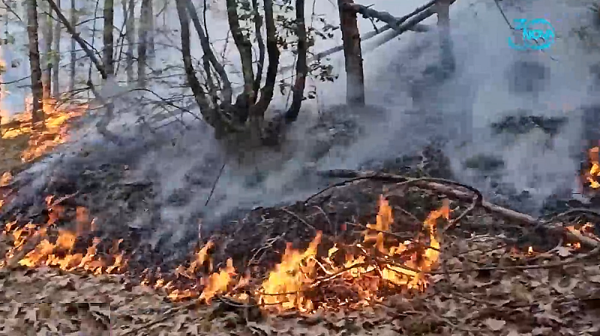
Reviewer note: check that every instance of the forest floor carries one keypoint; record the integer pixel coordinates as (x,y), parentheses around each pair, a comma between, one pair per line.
(479,271)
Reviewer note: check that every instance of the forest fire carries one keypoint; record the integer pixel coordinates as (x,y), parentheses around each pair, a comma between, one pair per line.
(592,170)
(354,275)
(53,134)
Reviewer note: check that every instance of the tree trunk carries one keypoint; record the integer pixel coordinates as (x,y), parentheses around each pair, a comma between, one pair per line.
(266,95)
(448,63)
(47,57)
(211,116)
(129,7)
(355,82)
(108,37)
(301,64)
(77,37)
(73,64)
(37,116)
(143,42)
(257,111)
(56,58)
(209,56)
(244,47)
(151,46)
(261,49)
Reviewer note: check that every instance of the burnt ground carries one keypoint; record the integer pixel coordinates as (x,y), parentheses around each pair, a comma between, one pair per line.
(539,301)
(127,207)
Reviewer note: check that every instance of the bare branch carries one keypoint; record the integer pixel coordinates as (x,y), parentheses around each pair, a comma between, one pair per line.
(75,35)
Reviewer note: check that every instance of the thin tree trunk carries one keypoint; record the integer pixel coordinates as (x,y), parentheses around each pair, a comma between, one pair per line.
(73,64)
(151,46)
(129,7)
(143,42)
(227,91)
(108,37)
(266,94)
(448,62)
(257,111)
(355,82)
(37,90)
(211,116)
(244,47)
(47,36)
(56,58)
(301,64)
(261,48)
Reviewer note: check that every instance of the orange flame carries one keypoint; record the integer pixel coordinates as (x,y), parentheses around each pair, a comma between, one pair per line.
(380,261)
(54,133)
(591,176)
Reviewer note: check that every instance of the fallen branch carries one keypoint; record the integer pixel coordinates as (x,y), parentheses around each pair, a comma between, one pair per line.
(416,27)
(370,13)
(438,186)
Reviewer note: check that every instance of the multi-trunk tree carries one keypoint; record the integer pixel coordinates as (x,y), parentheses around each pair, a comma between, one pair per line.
(214,94)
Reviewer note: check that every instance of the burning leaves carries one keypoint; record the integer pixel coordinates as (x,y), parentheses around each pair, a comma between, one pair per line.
(39,142)
(301,281)
(528,301)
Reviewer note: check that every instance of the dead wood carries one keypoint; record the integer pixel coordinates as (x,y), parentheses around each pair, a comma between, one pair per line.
(452,192)
(408,25)
(421,28)
(370,13)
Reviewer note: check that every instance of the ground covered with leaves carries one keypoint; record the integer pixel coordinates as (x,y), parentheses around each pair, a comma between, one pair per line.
(491,280)
(495,276)
(483,287)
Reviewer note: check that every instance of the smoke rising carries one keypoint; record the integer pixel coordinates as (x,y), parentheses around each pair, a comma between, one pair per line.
(412,106)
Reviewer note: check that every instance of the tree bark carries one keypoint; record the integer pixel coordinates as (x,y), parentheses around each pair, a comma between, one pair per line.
(301,65)
(56,58)
(143,42)
(37,90)
(227,92)
(108,37)
(261,48)
(151,46)
(244,47)
(266,95)
(129,7)
(47,37)
(73,64)
(355,82)
(448,61)
(211,116)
